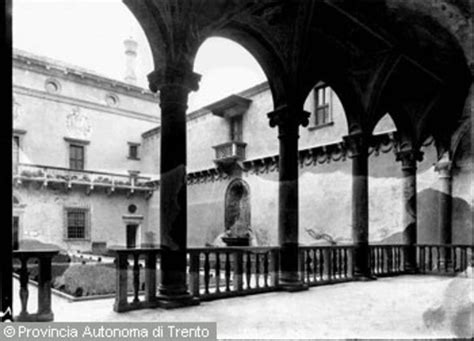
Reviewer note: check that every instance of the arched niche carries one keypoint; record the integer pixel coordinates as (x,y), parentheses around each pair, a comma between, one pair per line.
(237,204)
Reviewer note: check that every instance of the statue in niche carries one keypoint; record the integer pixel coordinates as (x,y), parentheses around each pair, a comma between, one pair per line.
(77,125)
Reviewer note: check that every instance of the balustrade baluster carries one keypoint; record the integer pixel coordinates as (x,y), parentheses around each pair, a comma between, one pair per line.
(321,264)
(438,255)
(24,293)
(334,263)
(257,269)
(430,258)
(307,256)
(265,269)
(194,268)
(218,271)
(207,269)
(238,270)
(455,258)
(136,277)
(249,269)
(227,271)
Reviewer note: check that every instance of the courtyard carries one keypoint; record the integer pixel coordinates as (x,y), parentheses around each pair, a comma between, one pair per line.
(390,307)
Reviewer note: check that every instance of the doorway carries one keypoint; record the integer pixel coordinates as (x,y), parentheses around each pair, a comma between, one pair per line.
(132,236)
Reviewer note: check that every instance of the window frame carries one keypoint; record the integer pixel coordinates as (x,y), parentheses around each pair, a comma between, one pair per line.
(326,118)
(18,135)
(133,145)
(76,143)
(86,223)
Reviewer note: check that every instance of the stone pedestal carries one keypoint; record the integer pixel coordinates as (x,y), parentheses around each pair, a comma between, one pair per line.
(288,120)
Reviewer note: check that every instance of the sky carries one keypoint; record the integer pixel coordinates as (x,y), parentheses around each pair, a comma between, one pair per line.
(90,34)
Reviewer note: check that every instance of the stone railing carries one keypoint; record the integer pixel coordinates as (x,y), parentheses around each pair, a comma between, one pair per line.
(44,313)
(89,179)
(444,259)
(220,272)
(325,264)
(232,271)
(387,260)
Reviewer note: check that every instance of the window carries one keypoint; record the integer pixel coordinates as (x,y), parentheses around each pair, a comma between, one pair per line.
(16,153)
(76,157)
(133,151)
(322,98)
(236,128)
(77,223)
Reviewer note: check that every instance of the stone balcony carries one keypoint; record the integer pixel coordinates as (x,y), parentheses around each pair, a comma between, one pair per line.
(87,179)
(229,152)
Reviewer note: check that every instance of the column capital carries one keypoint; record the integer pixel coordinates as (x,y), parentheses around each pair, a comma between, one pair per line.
(173,76)
(356,143)
(409,157)
(444,168)
(284,116)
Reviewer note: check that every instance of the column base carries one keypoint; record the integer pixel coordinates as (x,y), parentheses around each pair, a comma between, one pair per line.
(44,317)
(173,302)
(361,277)
(293,286)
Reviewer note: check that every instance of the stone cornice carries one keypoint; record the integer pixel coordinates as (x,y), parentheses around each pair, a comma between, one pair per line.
(25,61)
(82,103)
(310,157)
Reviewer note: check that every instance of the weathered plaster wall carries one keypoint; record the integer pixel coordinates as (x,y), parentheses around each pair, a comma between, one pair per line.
(43,215)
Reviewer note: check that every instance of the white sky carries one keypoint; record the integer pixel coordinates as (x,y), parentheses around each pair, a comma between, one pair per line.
(90,34)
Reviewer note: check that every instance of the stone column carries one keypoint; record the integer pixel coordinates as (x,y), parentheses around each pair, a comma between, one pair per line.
(408,159)
(174,85)
(358,147)
(444,168)
(288,120)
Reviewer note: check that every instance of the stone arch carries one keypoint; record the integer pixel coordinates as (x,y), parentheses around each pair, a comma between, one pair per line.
(237,203)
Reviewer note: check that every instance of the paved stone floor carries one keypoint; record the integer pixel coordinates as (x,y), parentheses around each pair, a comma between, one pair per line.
(385,308)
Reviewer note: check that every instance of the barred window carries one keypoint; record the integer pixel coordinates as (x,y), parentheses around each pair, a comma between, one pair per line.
(76,223)
(76,157)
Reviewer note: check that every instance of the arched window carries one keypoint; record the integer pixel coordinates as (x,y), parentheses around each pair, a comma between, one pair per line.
(237,203)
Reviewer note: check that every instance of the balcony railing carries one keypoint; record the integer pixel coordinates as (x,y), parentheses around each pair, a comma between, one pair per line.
(89,179)
(444,259)
(44,312)
(230,152)
(214,273)
(326,264)
(228,272)
(387,260)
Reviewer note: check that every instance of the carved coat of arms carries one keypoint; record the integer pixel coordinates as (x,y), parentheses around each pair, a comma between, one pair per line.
(78,125)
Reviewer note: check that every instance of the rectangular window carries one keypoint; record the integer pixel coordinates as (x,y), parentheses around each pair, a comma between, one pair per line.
(236,128)
(76,157)
(76,223)
(16,153)
(322,99)
(133,151)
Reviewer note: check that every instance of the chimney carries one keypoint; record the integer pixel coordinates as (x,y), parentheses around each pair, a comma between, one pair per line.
(130,60)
